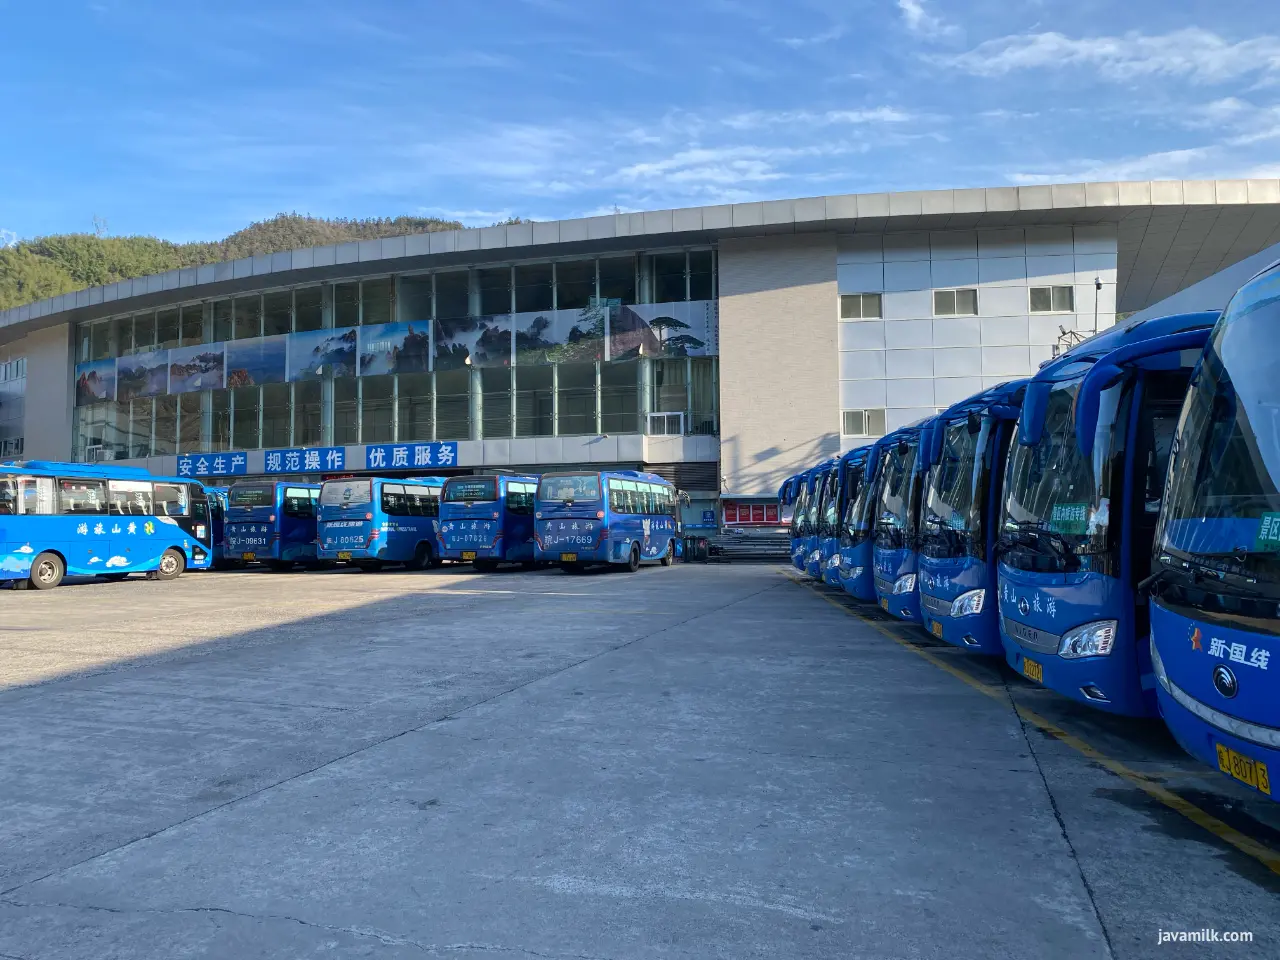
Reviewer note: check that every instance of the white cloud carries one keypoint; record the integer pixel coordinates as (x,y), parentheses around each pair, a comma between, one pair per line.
(118,562)
(795,43)
(1199,55)
(7,238)
(1191,163)
(755,119)
(920,21)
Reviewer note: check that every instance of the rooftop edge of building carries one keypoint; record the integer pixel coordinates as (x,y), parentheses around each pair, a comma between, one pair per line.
(956,209)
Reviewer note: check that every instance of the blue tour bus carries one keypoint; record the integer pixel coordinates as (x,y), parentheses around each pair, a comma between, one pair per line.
(827,528)
(373,521)
(839,551)
(1215,585)
(1083,489)
(796,492)
(218,524)
(966,448)
(897,523)
(857,530)
(98,520)
(615,517)
(272,522)
(819,478)
(487,520)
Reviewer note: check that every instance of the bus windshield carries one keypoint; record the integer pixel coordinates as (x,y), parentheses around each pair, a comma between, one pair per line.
(1223,504)
(828,504)
(337,493)
(799,509)
(253,495)
(854,523)
(1055,510)
(471,490)
(895,525)
(952,519)
(569,487)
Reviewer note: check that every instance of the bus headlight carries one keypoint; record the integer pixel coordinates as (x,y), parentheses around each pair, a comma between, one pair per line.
(1088,640)
(856,572)
(834,560)
(968,604)
(906,584)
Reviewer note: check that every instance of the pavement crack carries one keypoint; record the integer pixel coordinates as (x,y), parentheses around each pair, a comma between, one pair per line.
(1062,825)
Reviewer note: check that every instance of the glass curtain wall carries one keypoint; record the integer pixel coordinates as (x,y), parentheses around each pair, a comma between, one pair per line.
(545,396)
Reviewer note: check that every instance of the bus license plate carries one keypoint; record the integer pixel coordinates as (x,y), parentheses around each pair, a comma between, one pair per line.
(935,628)
(884,603)
(248,557)
(344,554)
(468,554)
(1245,769)
(1032,670)
(568,558)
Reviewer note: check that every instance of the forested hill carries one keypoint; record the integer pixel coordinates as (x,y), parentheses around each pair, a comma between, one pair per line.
(47,266)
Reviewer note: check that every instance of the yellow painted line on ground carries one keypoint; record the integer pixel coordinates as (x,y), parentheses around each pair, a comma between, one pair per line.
(1247,845)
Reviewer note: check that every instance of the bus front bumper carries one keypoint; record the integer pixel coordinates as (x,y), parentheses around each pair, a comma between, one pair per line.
(1100,682)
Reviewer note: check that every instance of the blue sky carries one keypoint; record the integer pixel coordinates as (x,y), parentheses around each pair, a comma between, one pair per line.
(189,121)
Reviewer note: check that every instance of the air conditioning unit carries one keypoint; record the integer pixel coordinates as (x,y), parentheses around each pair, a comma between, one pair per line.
(95,453)
(666,425)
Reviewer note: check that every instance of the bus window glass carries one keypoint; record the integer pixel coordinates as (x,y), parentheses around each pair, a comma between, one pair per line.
(83,496)
(130,498)
(470,490)
(8,496)
(298,502)
(650,498)
(393,500)
(336,493)
(425,502)
(172,500)
(520,498)
(253,495)
(569,486)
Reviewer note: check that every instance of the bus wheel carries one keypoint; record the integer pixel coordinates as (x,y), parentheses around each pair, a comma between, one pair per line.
(669,557)
(172,563)
(422,558)
(47,572)
(633,559)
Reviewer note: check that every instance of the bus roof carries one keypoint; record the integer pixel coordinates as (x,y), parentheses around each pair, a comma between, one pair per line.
(53,468)
(523,477)
(288,483)
(637,475)
(1076,361)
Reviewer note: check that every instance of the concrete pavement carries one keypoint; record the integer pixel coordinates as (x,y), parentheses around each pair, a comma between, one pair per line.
(688,762)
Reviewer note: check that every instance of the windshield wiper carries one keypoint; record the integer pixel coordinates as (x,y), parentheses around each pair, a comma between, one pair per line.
(1034,533)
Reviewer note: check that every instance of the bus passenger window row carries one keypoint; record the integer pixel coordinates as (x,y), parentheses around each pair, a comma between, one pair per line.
(636,496)
(406,500)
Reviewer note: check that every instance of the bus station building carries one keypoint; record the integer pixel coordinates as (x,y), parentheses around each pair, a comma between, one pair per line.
(723,347)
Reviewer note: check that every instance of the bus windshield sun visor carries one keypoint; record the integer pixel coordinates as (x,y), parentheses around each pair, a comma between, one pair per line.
(1148,353)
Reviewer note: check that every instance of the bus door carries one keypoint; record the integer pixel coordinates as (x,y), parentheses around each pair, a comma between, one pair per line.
(298,523)
(1159,406)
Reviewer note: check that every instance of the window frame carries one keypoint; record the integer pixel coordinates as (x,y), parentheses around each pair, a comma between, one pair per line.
(861,302)
(1053,290)
(954,293)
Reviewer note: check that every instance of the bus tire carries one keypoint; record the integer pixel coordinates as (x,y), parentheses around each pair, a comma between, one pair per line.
(633,558)
(47,571)
(669,557)
(172,563)
(422,557)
